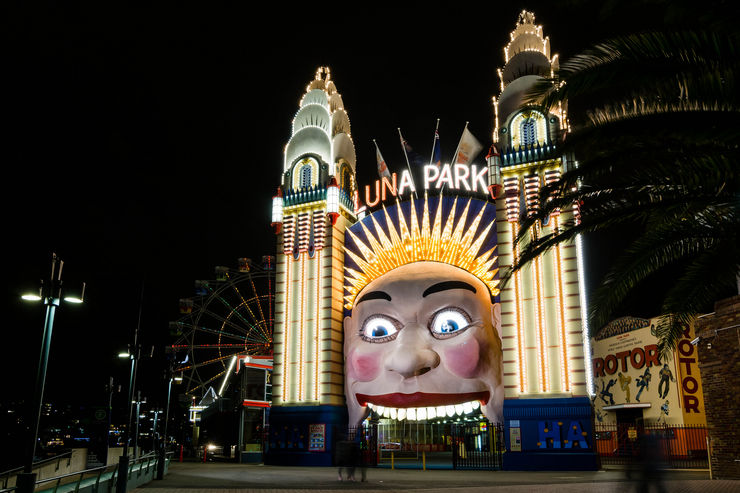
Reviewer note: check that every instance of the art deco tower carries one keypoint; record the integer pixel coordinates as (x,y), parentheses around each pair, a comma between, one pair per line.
(547,410)
(310,213)
(545,342)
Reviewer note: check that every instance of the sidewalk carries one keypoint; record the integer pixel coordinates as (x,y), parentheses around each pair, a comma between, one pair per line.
(242,478)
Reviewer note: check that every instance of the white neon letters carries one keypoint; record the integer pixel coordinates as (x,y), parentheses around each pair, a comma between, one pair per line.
(457,177)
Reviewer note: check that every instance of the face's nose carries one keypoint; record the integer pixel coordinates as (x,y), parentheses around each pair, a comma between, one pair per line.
(412,355)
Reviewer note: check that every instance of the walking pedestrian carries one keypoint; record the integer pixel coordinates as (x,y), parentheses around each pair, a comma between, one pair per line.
(344,458)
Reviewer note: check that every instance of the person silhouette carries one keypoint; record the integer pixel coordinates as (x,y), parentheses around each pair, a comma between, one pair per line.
(666,376)
(606,392)
(643,383)
(624,384)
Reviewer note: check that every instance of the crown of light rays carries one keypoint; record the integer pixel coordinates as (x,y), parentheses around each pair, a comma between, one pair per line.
(437,239)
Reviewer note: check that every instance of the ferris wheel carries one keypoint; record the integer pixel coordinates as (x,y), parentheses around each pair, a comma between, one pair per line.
(229,316)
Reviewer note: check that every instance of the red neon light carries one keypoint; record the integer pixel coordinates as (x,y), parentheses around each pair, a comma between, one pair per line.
(247,403)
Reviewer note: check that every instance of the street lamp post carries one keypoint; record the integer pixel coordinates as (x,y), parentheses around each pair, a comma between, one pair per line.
(123,462)
(154,429)
(50,294)
(164,441)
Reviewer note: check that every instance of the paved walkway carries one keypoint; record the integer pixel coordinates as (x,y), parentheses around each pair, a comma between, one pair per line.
(239,478)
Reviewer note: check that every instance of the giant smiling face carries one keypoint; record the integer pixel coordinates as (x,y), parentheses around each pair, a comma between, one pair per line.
(423,336)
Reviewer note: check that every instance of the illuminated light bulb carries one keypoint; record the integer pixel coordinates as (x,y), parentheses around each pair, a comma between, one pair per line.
(411,413)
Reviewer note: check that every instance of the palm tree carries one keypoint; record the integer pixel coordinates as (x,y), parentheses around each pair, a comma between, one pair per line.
(656,136)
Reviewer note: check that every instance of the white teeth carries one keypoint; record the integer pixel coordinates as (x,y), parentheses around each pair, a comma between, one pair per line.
(424,413)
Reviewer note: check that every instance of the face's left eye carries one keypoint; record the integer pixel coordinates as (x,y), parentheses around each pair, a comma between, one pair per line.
(448,322)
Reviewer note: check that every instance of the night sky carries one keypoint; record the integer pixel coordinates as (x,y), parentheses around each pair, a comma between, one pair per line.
(143,145)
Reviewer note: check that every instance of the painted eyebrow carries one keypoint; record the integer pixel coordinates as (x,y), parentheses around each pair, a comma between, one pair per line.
(445,285)
(374,295)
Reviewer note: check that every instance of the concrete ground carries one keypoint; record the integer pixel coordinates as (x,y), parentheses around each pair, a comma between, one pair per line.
(196,477)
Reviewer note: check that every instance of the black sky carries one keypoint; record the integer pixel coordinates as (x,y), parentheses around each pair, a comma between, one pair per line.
(143,144)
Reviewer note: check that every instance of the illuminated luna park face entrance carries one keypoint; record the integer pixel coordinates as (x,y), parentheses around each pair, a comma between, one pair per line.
(422,339)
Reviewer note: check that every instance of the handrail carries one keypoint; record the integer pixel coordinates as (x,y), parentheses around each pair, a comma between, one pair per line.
(150,459)
(80,473)
(6,474)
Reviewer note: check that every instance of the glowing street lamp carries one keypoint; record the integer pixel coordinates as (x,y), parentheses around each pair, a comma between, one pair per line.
(50,294)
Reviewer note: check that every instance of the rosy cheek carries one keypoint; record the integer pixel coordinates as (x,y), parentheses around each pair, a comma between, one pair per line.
(462,360)
(364,367)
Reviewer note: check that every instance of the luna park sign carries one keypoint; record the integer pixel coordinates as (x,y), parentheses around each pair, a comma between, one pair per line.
(457,177)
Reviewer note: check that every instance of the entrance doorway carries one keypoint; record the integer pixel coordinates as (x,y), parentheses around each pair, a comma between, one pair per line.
(470,443)
(629,428)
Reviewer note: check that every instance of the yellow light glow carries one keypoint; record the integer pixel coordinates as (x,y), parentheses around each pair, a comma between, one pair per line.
(560,305)
(317,335)
(540,320)
(452,244)
(301,303)
(286,328)
(521,352)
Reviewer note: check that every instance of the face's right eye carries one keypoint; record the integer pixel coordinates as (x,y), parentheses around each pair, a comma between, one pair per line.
(379,328)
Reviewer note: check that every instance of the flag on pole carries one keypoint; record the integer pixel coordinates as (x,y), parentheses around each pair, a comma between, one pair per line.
(382,167)
(437,154)
(413,157)
(468,148)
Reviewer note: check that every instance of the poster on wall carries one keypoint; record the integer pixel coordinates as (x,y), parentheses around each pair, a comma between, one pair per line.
(515,439)
(628,370)
(317,438)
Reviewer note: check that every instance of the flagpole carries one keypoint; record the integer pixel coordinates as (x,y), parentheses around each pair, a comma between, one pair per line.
(454,160)
(411,175)
(434,143)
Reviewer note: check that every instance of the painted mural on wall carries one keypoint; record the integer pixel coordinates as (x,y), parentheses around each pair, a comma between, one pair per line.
(628,370)
(422,335)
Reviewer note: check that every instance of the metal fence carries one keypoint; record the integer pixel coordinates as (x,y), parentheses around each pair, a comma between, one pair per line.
(678,447)
(367,442)
(477,445)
